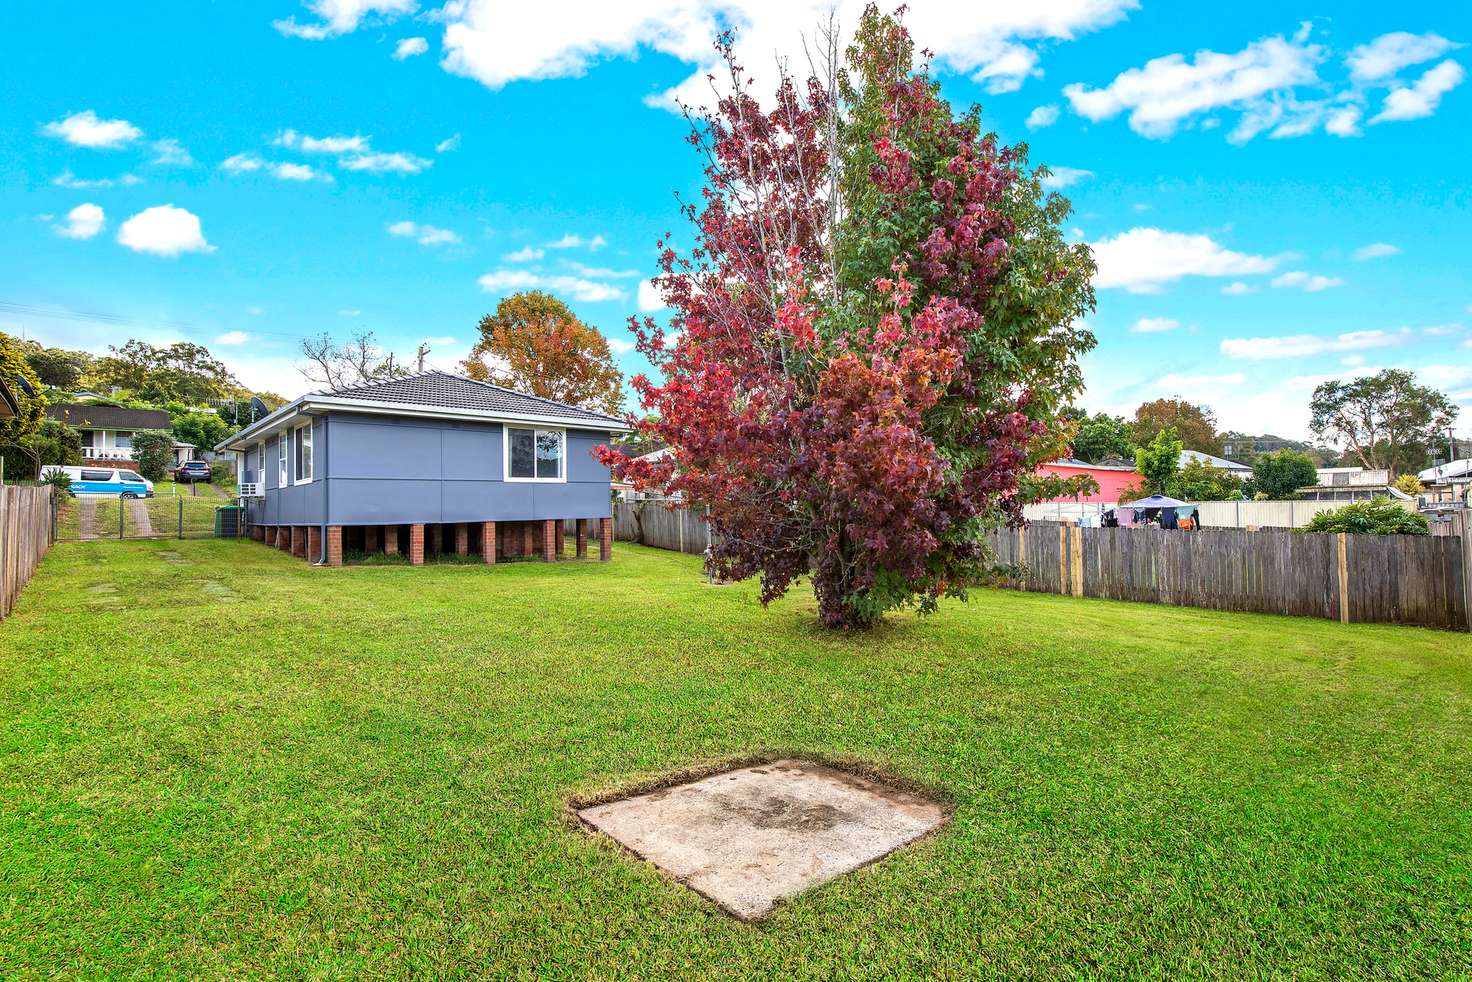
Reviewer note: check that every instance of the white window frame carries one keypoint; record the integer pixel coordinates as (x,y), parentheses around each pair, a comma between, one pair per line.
(561,477)
(310,455)
(261,463)
(283,460)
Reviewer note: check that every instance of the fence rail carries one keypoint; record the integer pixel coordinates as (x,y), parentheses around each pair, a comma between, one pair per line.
(1397,579)
(25,535)
(652,522)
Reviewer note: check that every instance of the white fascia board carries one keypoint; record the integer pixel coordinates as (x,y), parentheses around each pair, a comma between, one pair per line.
(478,415)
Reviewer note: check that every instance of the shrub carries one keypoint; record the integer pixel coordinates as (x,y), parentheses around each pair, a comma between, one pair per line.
(154,451)
(1378,517)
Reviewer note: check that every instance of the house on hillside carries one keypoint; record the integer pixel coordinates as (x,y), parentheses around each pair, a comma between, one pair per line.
(107,431)
(1220,463)
(422,464)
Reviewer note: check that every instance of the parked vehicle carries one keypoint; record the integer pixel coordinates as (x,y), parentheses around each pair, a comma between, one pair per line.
(191,471)
(105,481)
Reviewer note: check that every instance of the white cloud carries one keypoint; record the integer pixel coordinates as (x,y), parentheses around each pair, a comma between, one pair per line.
(409,47)
(1420,99)
(448,144)
(1238,289)
(326,144)
(231,338)
(1343,122)
(341,17)
(1143,260)
(990,42)
(440,340)
(255,311)
(241,163)
(1062,177)
(84,129)
(650,299)
(386,163)
(1154,325)
(1172,91)
(1375,250)
(1308,282)
(600,272)
(349,312)
(1389,53)
(66,179)
(297,172)
(526,254)
(579,288)
(1307,345)
(164,230)
(1443,330)
(425,235)
(82,222)
(1042,116)
(571,241)
(1352,361)
(620,346)
(171,153)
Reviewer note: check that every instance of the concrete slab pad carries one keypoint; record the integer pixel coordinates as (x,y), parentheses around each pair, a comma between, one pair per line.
(751,837)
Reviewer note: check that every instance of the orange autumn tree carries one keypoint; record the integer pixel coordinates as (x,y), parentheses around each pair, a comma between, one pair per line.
(533,343)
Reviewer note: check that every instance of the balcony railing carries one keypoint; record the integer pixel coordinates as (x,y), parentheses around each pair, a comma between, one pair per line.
(107,453)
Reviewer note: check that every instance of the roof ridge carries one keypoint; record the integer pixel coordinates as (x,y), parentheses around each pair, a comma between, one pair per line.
(369,385)
(528,395)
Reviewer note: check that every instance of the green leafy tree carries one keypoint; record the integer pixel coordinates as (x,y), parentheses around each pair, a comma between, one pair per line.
(20,458)
(1199,481)
(183,371)
(1160,462)
(154,452)
(1384,420)
(1194,425)
(1103,437)
(57,368)
(204,430)
(1277,476)
(1378,517)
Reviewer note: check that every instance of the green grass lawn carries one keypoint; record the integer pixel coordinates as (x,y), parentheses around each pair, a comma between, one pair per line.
(217,761)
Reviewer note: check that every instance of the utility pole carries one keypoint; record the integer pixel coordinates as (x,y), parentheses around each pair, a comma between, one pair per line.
(420,355)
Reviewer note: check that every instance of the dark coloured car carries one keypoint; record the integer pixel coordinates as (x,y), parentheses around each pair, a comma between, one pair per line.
(192,470)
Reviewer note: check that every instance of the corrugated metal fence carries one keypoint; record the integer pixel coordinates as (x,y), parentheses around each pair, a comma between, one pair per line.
(1399,579)
(25,535)
(1214,514)
(652,522)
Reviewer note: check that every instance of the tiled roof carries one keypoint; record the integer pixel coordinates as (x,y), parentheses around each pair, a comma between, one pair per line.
(445,391)
(84,417)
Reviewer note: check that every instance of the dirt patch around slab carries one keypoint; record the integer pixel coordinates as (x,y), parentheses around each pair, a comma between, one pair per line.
(749,837)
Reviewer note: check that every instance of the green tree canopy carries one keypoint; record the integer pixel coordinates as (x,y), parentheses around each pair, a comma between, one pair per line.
(1199,481)
(182,371)
(1102,437)
(1194,425)
(1160,462)
(1279,475)
(57,368)
(204,430)
(1384,420)
(154,452)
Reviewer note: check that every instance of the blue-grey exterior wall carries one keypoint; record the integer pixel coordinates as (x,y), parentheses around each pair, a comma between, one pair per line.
(372,470)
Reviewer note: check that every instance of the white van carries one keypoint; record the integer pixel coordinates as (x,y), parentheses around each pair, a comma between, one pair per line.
(105,481)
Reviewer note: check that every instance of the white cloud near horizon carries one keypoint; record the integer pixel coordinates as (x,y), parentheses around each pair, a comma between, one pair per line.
(164,230)
(232,338)
(85,129)
(1375,250)
(1308,345)
(1238,289)
(650,299)
(66,179)
(1154,325)
(571,240)
(1307,282)
(578,287)
(1062,177)
(1421,98)
(169,152)
(448,144)
(1388,54)
(526,254)
(385,163)
(82,222)
(297,172)
(1042,116)
(1144,260)
(293,140)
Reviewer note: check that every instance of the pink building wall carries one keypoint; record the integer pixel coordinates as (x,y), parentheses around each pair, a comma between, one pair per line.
(1111,482)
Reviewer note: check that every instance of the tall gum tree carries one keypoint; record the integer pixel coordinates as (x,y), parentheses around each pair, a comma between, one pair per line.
(872,339)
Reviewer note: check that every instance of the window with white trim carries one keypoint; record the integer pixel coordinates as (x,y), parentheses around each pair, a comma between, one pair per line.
(534,455)
(261,462)
(283,475)
(302,447)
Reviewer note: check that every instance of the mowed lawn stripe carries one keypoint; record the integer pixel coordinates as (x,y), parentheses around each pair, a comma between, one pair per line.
(366,770)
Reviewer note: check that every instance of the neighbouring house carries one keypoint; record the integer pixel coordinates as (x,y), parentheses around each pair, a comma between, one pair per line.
(1113,479)
(1447,484)
(107,431)
(1220,463)
(422,464)
(1350,484)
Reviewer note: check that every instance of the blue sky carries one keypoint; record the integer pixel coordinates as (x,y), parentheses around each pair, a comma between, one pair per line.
(1275,197)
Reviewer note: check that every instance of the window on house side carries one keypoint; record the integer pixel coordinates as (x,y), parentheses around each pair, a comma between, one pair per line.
(304,454)
(534,455)
(283,476)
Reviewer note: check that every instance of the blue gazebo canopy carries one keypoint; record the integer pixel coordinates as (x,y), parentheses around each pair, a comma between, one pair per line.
(1156,501)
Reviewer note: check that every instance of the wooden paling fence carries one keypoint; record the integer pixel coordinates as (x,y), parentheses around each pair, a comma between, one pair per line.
(25,535)
(652,522)
(1398,579)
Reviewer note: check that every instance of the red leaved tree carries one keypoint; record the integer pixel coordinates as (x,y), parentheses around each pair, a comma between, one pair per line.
(871,340)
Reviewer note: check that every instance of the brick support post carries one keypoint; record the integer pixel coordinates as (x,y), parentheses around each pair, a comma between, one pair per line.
(462,539)
(549,540)
(314,543)
(528,540)
(488,541)
(605,539)
(334,545)
(416,545)
(390,540)
(561,535)
(582,538)
(370,538)
(299,542)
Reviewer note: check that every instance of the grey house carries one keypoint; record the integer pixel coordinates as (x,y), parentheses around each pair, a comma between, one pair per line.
(426,463)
